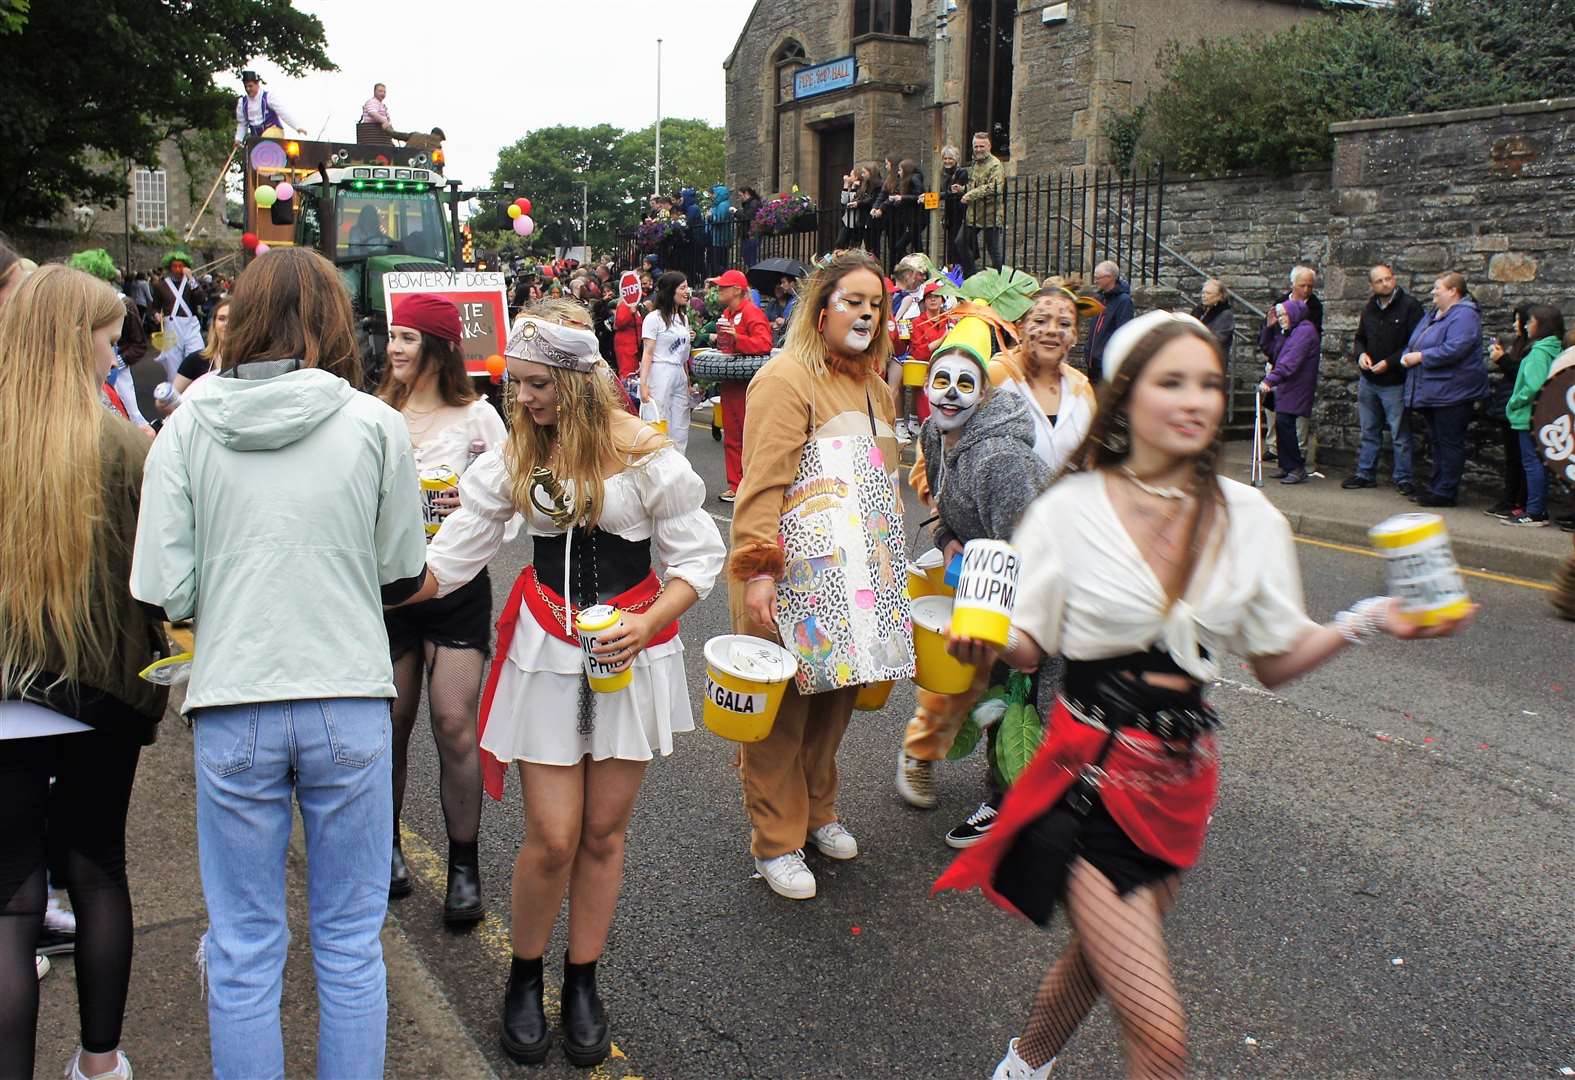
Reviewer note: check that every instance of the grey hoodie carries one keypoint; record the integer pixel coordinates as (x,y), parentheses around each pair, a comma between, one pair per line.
(983,484)
(274,507)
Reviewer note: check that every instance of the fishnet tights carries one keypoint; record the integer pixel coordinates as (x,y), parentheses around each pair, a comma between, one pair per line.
(1117,949)
(453,678)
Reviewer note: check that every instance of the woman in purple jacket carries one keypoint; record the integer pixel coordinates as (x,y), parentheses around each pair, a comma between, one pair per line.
(1445,377)
(1293,380)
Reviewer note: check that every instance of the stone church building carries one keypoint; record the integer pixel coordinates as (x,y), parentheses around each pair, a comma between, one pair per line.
(816,85)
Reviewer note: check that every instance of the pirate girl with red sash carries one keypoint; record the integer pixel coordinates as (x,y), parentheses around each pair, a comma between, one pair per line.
(608,504)
(1142,569)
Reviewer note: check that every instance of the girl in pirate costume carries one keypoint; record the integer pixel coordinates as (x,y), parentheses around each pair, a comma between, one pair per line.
(607,501)
(1142,568)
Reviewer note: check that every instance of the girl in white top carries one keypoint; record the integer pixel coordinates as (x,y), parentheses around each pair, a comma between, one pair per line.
(1142,569)
(664,359)
(444,639)
(606,499)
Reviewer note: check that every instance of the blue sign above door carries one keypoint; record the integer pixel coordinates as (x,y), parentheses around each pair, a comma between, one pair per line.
(836,74)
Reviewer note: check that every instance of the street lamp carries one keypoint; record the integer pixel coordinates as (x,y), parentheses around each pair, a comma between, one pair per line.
(585,218)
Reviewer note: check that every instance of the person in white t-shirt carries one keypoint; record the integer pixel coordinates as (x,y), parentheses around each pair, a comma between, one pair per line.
(664,359)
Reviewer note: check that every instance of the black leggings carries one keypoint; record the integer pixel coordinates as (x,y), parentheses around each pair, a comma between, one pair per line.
(75,829)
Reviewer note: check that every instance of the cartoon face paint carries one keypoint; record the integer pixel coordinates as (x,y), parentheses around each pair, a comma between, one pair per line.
(955,388)
(839,302)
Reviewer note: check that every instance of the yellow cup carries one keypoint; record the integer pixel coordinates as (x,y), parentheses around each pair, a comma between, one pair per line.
(591,624)
(933,563)
(986,591)
(659,425)
(872,696)
(914,372)
(745,680)
(937,670)
(434,482)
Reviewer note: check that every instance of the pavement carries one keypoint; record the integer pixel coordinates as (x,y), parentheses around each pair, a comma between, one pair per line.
(1385,892)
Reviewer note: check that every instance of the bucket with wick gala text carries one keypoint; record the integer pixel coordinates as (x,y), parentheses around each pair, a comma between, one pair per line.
(745,680)
(592,624)
(986,591)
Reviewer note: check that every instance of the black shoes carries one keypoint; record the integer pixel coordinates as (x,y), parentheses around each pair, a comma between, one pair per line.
(398,875)
(586,1037)
(1427,498)
(525,1036)
(1351,483)
(1407,489)
(462,905)
(1297,476)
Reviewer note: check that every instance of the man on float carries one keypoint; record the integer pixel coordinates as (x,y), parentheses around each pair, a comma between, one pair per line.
(258,113)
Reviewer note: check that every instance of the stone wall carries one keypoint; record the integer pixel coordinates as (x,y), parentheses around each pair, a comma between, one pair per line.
(1488,192)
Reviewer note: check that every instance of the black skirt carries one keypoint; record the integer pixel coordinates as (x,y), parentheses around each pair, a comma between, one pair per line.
(460,620)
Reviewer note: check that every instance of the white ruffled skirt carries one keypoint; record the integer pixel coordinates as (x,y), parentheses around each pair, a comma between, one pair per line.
(535,709)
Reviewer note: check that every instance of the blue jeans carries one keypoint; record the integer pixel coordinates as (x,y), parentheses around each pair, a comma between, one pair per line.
(1446,425)
(333,756)
(1536,475)
(1382,407)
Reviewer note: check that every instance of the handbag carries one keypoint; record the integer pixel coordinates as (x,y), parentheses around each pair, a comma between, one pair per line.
(842,604)
(1033,872)
(713,365)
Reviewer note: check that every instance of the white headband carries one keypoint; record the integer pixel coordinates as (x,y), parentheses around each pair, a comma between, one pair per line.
(1126,338)
(542,342)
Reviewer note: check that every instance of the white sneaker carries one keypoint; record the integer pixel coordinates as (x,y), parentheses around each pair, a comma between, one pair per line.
(788,876)
(58,917)
(1013,1067)
(41,965)
(904,435)
(121,1071)
(916,781)
(834,841)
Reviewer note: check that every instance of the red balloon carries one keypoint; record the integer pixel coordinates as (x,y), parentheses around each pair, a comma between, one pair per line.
(547,272)
(524,205)
(249,240)
(495,365)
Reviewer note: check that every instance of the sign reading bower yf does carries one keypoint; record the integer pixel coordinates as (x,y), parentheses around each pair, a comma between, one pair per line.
(483,307)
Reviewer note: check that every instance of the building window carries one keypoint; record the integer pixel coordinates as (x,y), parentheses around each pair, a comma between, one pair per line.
(150,199)
(882,17)
(991,27)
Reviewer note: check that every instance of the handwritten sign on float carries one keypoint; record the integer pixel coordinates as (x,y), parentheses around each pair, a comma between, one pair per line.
(838,74)
(483,308)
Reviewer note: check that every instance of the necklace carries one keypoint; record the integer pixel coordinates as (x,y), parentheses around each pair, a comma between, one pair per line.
(1151,489)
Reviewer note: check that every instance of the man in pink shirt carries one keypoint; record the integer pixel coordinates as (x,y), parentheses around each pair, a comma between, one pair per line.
(374,111)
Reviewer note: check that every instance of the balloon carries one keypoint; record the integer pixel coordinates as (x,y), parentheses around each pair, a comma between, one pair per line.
(524,225)
(523,204)
(514,211)
(265,196)
(262,249)
(548,272)
(285,191)
(495,365)
(248,240)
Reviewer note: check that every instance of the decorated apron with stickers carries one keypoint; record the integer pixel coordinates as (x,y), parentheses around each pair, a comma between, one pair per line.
(842,606)
(187,329)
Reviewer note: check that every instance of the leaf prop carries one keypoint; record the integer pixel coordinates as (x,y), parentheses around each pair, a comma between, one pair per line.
(1021,731)
(966,739)
(1005,291)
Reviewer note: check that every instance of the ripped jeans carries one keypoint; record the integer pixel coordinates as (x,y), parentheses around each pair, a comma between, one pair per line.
(333,756)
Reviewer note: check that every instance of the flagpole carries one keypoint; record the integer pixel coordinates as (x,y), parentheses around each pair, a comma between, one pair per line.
(657,189)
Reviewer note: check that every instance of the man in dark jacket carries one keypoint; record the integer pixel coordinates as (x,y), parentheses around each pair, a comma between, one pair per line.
(1117,297)
(1445,376)
(1386,324)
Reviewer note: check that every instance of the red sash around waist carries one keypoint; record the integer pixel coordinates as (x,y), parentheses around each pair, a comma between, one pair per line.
(547,608)
(1162,802)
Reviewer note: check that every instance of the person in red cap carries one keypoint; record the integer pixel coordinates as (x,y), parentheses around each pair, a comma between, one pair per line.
(626,325)
(447,638)
(741,329)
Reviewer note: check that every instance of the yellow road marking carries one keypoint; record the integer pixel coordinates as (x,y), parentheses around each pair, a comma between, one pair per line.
(432,869)
(1485,575)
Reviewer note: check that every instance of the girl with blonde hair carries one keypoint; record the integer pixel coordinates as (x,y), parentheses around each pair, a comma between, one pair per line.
(608,502)
(72,641)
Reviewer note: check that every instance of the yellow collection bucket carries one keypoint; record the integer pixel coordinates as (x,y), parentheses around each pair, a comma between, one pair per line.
(937,671)
(590,624)
(918,582)
(933,564)
(659,425)
(914,372)
(986,591)
(162,340)
(872,696)
(745,680)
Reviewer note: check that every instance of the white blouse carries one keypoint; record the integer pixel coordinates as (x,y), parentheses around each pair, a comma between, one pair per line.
(658,498)
(1087,593)
(450,446)
(1056,443)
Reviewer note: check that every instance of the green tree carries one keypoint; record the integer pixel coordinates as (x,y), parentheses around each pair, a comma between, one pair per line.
(1266,102)
(107,82)
(548,166)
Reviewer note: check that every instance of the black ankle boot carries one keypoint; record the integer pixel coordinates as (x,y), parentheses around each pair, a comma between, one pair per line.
(525,1035)
(398,874)
(462,906)
(586,1037)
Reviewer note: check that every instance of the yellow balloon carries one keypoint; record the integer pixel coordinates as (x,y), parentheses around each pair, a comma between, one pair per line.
(514,211)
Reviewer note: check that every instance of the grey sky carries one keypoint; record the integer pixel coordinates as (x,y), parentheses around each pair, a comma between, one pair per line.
(500,68)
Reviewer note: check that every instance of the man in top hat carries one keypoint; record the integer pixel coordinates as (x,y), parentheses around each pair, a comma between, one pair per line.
(257,112)
(741,329)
